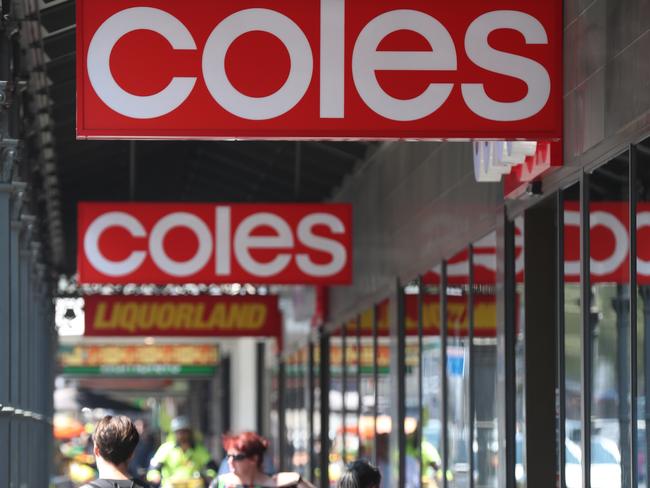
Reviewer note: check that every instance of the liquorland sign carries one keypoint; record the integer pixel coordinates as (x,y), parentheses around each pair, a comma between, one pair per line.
(319,69)
(187,316)
(214,243)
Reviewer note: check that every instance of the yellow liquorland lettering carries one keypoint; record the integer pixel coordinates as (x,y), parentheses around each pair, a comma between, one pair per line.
(218,317)
(457,317)
(164,316)
(236,315)
(485,316)
(430,316)
(365,322)
(101,320)
(128,316)
(145,318)
(198,319)
(410,324)
(257,315)
(183,318)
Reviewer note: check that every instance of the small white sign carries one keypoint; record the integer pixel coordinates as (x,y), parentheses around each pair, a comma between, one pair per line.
(493,159)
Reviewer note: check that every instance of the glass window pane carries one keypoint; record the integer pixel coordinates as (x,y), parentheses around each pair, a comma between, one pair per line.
(296,413)
(609,322)
(484,361)
(572,333)
(431,381)
(351,398)
(316,446)
(643,306)
(367,387)
(336,426)
(384,393)
(457,370)
(520,358)
(412,387)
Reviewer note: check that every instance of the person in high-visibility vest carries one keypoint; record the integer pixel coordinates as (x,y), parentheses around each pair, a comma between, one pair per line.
(182,459)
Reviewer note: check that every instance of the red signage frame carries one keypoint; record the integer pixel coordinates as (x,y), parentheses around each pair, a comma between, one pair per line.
(214,243)
(285,69)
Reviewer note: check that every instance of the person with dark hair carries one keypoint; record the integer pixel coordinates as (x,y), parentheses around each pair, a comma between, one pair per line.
(114,441)
(360,474)
(245,454)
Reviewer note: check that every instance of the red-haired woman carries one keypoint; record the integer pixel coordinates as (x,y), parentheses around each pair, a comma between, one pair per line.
(245,453)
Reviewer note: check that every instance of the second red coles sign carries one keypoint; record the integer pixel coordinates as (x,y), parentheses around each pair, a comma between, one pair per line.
(220,243)
(471,69)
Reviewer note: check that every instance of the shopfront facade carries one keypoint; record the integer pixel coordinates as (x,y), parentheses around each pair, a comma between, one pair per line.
(507,336)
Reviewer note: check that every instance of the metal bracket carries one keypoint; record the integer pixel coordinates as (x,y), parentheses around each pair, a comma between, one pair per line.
(9,155)
(10,25)
(8,90)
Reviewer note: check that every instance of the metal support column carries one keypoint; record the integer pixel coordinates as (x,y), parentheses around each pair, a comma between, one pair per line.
(15,331)
(311,386)
(282,414)
(5,324)
(506,335)
(24,366)
(325,410)
(560,337)
(586,336)
(472,373)
(634,333)
(398,379)
(443,374)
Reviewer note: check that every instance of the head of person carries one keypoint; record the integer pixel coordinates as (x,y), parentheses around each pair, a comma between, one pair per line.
(115,439)
(360,474)
(182,430)
(245,452)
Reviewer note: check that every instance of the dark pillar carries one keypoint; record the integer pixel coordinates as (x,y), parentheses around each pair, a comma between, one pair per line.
(540,346)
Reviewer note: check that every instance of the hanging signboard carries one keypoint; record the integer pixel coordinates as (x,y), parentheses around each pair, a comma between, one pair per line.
(319,69)
(188,316)
(131,360)
(222,243)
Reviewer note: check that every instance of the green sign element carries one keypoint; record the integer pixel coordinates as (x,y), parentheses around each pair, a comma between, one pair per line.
(140,370)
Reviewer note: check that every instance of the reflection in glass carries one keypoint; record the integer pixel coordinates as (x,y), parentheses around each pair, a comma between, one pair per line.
(609,321)
(367,387)
(520,358)
(431,367)
(296,412)
(412,387)
(316,446)
(384,393)
(572,330)
(351,397)
(643,306)
(337,414)
(484,361)
(457,369)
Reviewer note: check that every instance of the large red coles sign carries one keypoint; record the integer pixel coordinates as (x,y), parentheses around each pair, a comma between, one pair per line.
(319,69)
(214,243)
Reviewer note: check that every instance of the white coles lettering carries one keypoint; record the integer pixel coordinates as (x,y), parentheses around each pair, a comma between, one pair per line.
(99,70)
(531,72)
(367,59)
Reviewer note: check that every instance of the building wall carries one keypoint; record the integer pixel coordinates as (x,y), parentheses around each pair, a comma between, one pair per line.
(417,203)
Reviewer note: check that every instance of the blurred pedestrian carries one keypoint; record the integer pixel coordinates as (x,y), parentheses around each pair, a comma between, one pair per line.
(245,455)
(182,459)
(115,439)
(143,451)
(360,474)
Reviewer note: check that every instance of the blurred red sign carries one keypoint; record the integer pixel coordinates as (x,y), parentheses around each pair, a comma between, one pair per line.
(220,316)
(330,69)
(219,243)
